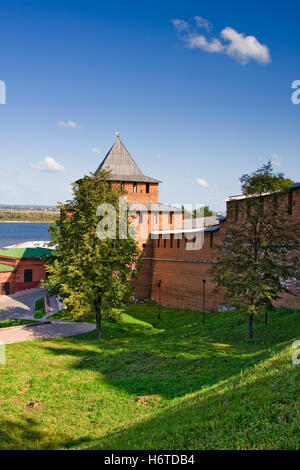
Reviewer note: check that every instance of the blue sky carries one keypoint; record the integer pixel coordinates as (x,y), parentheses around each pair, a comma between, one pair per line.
(197,102)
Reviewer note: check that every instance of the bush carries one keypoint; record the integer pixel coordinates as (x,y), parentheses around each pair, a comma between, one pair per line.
(113,315)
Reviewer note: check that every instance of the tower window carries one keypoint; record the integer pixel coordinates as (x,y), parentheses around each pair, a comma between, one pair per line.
(134,187)
(171,240)
(122,186)
(147,187)
(165,242)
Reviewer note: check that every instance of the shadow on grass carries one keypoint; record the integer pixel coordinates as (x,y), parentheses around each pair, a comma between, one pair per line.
(179,358)
(25,433)
(255,410)
(233,404)
(259,411)
(15,432)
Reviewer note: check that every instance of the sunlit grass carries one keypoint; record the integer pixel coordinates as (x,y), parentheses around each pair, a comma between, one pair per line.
(217,390)
(39,309)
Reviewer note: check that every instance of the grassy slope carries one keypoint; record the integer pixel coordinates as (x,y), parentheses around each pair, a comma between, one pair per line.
(39,309)
(218,390)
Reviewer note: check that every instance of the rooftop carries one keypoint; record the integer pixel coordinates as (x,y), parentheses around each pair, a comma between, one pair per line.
(25,252)
(32,244)
(6,267)
(245,196)
(186,230)
(121,165)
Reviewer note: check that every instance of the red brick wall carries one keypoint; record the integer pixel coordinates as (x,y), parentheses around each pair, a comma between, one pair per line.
(38,273)
(288,200)
(156,221)
(17,277)
(7,277)
(140,195)
(182,271)
(142,285)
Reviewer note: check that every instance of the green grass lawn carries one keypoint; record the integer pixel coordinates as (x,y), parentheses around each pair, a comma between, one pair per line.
(39,310)
(217,390)
(11,322)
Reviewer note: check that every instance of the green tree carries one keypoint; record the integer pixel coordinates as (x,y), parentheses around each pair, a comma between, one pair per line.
(92,275)
(200,212)
(263,180)
(259,255)
(206,212)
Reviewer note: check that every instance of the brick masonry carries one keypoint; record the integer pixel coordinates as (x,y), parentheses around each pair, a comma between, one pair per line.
(16,278)
(182,271)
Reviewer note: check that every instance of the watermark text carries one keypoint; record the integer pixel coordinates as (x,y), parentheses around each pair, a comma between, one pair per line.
(2,92)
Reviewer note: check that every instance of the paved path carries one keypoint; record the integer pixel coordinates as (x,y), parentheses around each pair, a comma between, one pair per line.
(20,305)
(55,329)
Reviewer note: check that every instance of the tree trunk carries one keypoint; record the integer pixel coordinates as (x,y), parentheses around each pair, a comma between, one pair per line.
(98,316)
(250,329)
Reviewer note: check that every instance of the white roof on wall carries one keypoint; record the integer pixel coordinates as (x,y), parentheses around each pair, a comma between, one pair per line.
(32,244)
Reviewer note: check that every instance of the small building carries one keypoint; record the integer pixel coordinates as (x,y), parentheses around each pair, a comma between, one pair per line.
(22,268)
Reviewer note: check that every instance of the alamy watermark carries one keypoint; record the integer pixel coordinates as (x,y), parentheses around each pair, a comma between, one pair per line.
(2,92)
(296,354)
(2,353)
(157,221)
(296,94)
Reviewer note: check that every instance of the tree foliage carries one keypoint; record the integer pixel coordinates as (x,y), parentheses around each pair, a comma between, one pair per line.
(259,258)
(204,211)
(92,275)
(263,180)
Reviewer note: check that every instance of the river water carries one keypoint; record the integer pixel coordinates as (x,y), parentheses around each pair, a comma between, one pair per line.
(12,233)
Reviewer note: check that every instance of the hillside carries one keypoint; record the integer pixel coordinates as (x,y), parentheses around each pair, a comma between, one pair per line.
(215,389)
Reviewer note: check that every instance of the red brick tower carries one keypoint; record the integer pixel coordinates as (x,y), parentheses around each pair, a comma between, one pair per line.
(125,172)
(143,190)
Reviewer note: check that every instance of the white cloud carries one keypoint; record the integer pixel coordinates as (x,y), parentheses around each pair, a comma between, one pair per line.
(230,42)
(67,124)
(200,42)
(95,150)
(202,182)
(245,48)
(276,159)
(180,25)
(48,164)
(203,23)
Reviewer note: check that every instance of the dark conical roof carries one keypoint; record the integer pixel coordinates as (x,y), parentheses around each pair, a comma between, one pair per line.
(121,165)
